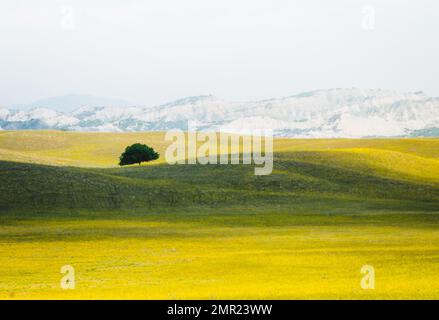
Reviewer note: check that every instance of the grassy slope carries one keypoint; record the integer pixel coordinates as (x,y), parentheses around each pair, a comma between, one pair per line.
(72,149)
(159,231)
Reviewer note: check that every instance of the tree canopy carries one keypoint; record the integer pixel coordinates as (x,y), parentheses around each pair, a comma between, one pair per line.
(137,153)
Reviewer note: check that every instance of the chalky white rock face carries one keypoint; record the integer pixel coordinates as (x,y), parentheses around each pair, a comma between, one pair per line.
(317,114)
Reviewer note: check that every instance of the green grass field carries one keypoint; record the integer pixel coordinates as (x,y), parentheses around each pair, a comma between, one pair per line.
(217,231)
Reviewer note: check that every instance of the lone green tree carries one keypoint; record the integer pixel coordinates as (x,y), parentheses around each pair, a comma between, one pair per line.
(137,153)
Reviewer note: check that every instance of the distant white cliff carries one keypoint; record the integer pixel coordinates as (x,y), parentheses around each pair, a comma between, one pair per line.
(317,114)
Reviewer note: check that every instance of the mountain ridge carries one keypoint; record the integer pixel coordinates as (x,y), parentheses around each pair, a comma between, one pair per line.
(332,113)
(70,102)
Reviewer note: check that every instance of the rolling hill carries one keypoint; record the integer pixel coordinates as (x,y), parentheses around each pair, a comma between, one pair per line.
(66,170)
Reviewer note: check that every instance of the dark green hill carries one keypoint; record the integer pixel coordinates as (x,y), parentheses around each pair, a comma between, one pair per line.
(294,185)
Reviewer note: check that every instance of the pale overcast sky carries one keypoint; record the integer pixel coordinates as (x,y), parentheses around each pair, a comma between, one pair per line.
(151,52)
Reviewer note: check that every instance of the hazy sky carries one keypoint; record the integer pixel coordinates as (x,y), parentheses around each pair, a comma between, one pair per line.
(151,52)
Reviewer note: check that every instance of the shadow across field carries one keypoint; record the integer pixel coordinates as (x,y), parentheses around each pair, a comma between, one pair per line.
(299,182)
(206,225)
